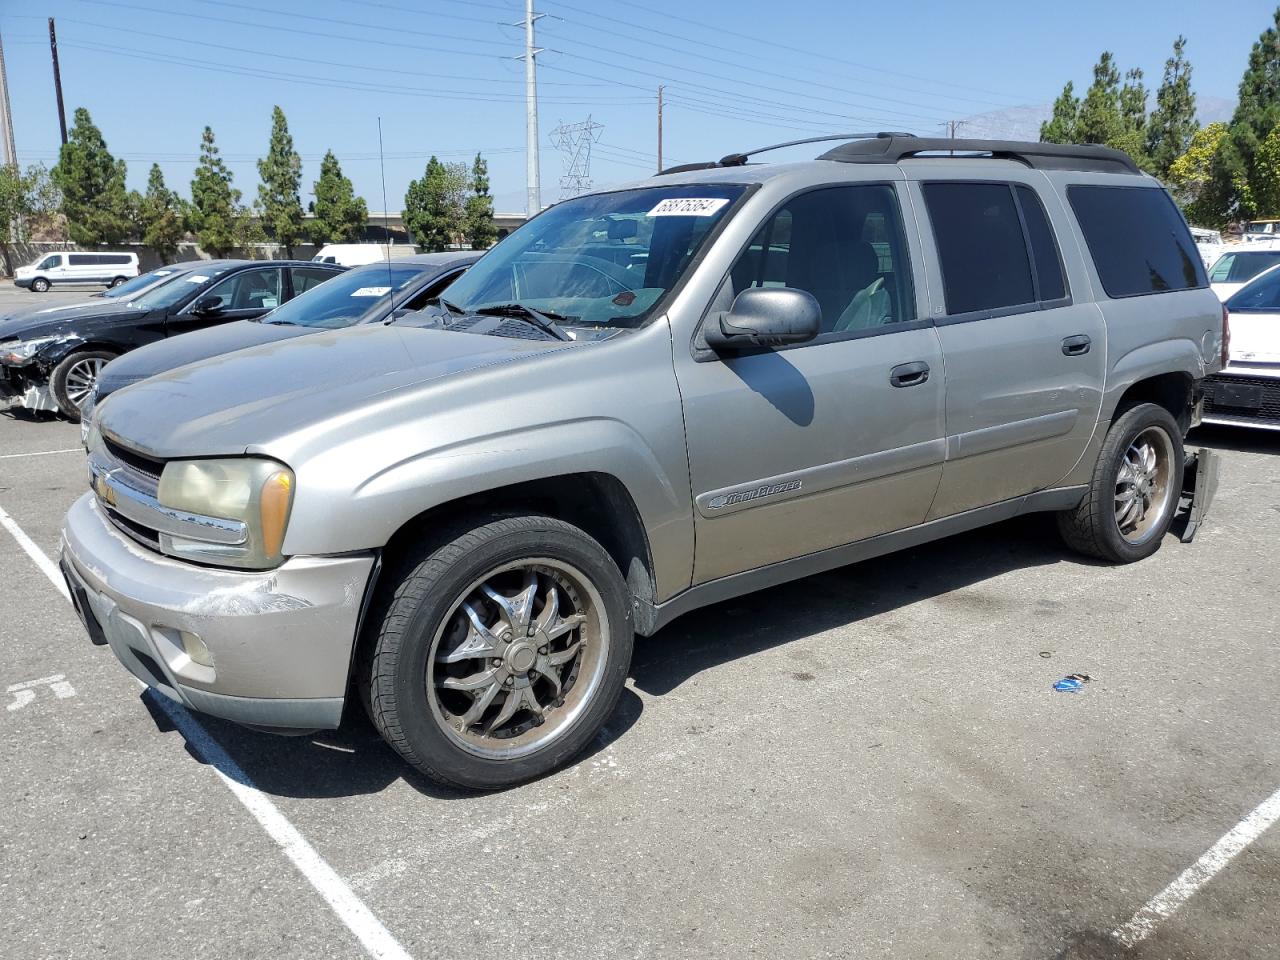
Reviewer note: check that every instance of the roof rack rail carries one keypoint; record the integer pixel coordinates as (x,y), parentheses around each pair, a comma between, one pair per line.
(738,159)
(1041,156)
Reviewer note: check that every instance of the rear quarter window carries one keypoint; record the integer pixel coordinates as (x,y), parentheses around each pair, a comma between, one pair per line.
(1138,240)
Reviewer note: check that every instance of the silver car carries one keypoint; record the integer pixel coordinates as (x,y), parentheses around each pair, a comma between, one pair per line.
(644,401)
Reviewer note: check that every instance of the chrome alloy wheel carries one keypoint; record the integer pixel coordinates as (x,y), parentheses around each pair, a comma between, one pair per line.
(82,378)
(518,658)
(1145,489)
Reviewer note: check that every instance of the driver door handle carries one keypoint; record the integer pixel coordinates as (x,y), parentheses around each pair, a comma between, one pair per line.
(1076,346)
(909,374)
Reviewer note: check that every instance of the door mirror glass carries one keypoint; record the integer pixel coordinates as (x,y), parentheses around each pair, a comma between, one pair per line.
(208,305)
(765,317)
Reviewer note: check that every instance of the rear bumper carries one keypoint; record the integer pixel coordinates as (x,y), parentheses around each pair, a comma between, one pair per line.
(280,641)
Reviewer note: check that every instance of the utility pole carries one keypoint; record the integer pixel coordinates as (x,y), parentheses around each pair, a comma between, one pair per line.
(6,116)
(57,81)
(533,186)
(660,89)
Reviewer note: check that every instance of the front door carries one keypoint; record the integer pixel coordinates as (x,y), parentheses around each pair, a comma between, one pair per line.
(795,450)
(1025,363)
(246,295)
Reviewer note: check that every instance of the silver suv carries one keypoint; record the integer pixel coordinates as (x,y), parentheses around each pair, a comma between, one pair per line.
(644,401)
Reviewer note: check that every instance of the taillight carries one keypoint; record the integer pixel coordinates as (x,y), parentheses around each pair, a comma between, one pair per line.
(1226,336)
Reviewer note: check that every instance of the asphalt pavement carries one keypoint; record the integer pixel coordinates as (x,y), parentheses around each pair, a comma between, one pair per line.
(871,763)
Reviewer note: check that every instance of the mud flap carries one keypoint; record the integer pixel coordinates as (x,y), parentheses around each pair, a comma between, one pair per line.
(1199,484)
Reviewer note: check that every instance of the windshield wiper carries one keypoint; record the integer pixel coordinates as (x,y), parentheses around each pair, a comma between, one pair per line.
(544,321)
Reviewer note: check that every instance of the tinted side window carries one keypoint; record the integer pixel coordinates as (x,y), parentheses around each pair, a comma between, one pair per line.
(981,246)
(1044,249)
(249,290)
(304,278)
(116,258)
(845,246)
(1262,293)
(1137,238)
(82,259)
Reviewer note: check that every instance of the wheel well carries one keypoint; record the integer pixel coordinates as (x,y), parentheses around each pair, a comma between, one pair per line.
(1169,390)
(596,503)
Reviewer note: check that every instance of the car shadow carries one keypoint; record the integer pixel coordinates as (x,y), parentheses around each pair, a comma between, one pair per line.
(1236,439)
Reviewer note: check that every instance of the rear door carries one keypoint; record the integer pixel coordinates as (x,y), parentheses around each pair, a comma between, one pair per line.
(302,279)
(245,295)
(1025,362)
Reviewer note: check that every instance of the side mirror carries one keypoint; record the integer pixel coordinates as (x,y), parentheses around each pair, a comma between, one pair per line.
(765,317)
(208,305)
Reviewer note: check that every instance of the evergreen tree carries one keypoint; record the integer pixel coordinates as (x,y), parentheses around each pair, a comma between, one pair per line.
(281,173)
(92,183)
(216,217)
(340,216)
(160,215)
(1173,122)
(429,215)
(1100,120)
(1061,127)
(1257,113)
(479,229)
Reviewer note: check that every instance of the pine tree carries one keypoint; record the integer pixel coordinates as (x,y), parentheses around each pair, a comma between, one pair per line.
(216,216)
(480,230)
(429,215)
(1061,127)
(340,216)
(1257,114)
(1173,122)
(92,183)
(1100,120)
(281,173)
(160,215)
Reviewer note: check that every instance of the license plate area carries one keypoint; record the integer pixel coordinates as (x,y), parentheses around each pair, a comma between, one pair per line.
(1245,396)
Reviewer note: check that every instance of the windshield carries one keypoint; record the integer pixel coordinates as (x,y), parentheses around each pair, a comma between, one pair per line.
(1261,294)
(1239,267)
(349,297)
(140,283)
(604,259)
(176,289)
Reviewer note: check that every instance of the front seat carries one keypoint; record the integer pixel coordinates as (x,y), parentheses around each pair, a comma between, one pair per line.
(871,306)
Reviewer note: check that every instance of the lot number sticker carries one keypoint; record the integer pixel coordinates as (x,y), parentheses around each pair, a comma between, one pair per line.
(688,207)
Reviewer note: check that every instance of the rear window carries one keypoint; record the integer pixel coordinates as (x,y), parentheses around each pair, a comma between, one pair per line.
(1138,240)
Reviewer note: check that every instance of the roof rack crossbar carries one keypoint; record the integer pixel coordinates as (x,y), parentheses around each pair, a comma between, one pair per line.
(738,159)
(1044,156)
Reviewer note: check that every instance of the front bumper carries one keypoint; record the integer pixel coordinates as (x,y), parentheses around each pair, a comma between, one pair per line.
(280,640)
(1244,396)
(24,282)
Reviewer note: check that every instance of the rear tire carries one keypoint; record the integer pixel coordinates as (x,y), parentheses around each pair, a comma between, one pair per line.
(495,654)
(116,282)
(40,285)
(1134,491)
(74,379)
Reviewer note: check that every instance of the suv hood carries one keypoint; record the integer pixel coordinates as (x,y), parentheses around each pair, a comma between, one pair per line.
(164,355)
(224,405)
(53,322)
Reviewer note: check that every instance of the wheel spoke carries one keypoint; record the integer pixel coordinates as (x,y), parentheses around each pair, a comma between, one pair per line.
(550,609)
(507,711)
(548,670)
(566,624)
(479,705)
(473,682)
(561,657)
(479,642)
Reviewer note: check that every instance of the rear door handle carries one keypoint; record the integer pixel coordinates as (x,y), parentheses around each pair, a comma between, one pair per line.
(909,374)
(1076,346)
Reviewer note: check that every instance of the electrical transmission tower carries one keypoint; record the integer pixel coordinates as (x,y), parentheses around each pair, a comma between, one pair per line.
(574,141)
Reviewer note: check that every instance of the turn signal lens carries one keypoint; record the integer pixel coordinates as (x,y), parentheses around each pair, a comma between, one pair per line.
(277,496)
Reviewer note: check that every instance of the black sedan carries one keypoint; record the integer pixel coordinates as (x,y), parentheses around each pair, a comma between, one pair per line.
(51,361)
(366,294)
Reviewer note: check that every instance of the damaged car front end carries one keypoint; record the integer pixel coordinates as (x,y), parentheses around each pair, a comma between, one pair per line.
(25,369)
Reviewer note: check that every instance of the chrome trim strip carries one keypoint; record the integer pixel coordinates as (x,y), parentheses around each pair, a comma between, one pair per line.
(146,510)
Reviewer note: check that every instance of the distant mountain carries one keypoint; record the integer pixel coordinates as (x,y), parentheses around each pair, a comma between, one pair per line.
(1023,123)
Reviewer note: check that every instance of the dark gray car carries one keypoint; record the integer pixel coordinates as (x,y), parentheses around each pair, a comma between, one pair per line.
(365,294)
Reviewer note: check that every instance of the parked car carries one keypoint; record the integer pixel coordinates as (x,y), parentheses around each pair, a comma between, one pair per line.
(121,292)
(368,294)
(1209,243)
(1246,392)
(51,362)
(1233,270)
(1261,231)
(643,401)
(358,254)
(111,269)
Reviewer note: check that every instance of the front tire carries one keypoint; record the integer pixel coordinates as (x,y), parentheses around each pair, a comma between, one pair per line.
(1134,491)
(74,378)
(40,285)
(496,654)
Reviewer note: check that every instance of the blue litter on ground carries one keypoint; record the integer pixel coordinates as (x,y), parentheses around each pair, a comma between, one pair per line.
(1072,684)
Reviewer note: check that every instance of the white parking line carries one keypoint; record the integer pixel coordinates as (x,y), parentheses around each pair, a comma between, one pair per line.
(40,453)
(350,909)
(1167,901)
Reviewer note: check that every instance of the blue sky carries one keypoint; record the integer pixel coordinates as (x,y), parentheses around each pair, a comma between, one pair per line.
(739,73)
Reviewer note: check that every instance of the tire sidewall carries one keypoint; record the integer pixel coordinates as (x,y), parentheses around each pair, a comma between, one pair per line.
(423,620)
(39,285)
(58,379)
(1125,430)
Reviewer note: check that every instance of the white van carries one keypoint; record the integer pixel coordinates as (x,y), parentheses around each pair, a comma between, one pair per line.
(358,254)
(109,269)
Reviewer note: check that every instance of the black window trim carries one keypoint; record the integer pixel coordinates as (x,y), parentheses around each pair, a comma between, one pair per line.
(1013,309)
(1204,271)
(704,354)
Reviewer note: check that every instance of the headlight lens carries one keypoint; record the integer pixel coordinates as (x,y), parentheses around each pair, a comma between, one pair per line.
(257,492)
(23,350)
